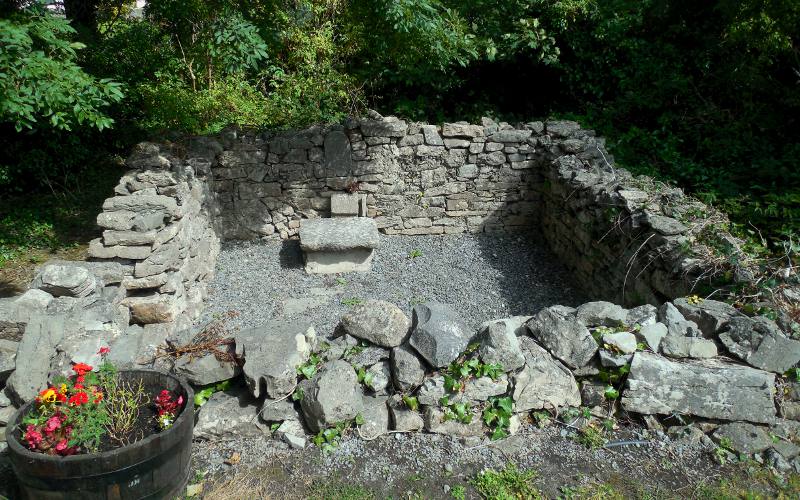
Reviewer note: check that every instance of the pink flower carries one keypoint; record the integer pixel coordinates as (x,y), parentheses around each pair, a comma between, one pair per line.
(180,401)
(53,423)
(103,351)
(61,445)
(33,437)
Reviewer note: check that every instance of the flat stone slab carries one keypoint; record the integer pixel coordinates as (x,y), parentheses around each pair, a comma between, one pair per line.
(706,388)
(338,235)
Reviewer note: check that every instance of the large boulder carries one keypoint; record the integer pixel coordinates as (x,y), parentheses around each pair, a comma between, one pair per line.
(403,418)
(760,343)
(206,369)
(601,313)
(708,388)
(65,280)
(272,354)
(565,336)
(439,334)
(499,345)
(333,395)
(378,322)
(278,410)
(622,342)
(8,356)
(376,417)
(38,345)
(408,370)
(544,382)
(227,415)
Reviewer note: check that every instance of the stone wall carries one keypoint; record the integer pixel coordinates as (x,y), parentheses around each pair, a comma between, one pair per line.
(626,239)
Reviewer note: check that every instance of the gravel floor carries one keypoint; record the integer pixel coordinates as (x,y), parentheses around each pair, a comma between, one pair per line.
(420,465)
(485,276)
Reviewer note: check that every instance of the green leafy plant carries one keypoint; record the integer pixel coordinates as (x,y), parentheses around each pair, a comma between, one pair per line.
(41,81)
(365,376)
(413,254)
(309,368)
(460,412)
(411,402)
(201,396)
(298,394)
(542,419)
(468,366)
(497,416)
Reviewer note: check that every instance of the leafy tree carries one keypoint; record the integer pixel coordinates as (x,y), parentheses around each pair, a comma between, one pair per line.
(40,80)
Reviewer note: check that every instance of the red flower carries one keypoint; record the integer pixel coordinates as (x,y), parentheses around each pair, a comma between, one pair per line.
(81,368)
(80,379)
(61,445)
(78,386)
(80,398)
(103,351)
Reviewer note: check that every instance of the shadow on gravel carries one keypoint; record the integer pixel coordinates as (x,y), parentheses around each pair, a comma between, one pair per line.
(291,256)
(529,274)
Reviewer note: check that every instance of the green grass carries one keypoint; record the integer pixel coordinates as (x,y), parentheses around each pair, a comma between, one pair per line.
(507,484)
(38,226)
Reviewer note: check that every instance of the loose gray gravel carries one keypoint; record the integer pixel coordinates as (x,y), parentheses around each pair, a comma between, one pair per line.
(484,276)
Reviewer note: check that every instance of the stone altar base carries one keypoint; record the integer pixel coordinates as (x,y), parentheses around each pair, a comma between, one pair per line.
(339,245)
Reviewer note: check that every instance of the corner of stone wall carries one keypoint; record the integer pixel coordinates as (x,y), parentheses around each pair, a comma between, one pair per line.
(158,226)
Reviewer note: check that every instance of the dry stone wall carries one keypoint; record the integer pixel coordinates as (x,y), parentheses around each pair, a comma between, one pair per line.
(158,226)
(626,239)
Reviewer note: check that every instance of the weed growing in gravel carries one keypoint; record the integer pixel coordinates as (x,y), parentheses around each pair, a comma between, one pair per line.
(591,436)
(509,483)
(413,254)
(352,301)
(328,439)
(341,281)
(417,300)
(594,491)
(339,491)
(497,416)
(458,492)
(542,419)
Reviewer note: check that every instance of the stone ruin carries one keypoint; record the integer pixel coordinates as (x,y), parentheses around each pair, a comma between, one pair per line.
(635,245)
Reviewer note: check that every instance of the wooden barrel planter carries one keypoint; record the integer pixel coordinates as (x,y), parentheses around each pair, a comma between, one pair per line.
(155,467)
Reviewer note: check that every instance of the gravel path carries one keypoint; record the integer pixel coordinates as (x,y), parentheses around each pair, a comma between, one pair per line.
(484,276)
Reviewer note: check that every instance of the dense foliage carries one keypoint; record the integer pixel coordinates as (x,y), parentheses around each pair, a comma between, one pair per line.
(706,95)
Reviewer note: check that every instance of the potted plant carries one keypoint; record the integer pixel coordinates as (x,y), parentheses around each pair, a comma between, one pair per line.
(104,434)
